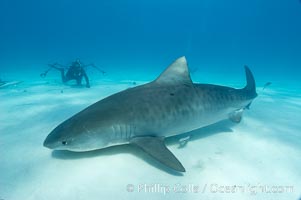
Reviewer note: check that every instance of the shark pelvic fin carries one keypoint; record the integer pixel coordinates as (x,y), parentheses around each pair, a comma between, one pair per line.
(236,116)
(176,73)
(156,148)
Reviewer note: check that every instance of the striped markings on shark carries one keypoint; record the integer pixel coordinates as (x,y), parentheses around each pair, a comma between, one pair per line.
(145,115)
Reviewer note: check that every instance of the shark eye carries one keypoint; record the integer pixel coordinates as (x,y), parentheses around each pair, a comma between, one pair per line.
(64,142)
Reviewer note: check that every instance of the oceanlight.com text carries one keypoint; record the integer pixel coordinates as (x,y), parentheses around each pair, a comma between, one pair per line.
(214,188)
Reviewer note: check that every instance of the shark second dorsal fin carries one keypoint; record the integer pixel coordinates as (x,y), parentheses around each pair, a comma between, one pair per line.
(176,73)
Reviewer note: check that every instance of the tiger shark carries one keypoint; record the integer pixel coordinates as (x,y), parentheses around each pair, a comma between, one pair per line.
(147,114)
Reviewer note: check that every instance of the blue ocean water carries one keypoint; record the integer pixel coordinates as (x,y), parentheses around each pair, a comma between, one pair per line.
(134,41)
(136,36)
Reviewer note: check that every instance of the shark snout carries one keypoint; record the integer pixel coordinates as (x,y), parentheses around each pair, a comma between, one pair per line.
(52,141)
(47,143)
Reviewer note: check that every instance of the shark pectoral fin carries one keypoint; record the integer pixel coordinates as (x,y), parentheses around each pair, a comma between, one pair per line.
(236,115)
(156,148)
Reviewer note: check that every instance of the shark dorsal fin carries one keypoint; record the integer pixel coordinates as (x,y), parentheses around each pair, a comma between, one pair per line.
(176,73)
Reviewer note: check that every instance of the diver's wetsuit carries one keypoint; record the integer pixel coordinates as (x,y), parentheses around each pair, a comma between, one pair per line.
(75,72)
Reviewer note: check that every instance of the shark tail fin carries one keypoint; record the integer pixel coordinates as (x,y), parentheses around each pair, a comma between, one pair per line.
(250,88)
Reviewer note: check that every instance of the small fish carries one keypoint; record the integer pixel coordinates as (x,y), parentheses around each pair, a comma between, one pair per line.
(267,83)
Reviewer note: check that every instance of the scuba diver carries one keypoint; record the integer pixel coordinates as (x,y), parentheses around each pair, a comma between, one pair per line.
(75,72)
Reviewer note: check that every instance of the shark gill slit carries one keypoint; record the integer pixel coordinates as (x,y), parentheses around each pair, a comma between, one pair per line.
(114,131)
(122,131)
(119,131)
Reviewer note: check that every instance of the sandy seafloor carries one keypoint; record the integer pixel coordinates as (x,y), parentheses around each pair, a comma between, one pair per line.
(256,159)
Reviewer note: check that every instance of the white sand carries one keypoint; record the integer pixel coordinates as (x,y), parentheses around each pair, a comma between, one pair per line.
(260,156)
